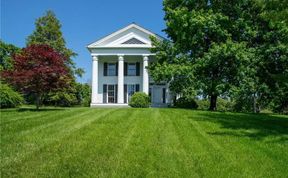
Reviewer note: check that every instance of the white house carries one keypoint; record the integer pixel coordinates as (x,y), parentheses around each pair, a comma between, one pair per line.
(119,68)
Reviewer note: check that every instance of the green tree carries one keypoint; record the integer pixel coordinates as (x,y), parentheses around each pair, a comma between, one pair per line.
(48,31)
(172,66)
(273,66)
(6,53)
(83,94)
(276,10)
(9,98)
(38,69)
(220,69)
(203,35)
(227,45)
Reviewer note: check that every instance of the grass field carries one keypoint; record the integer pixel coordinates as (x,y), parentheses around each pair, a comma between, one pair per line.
(84,142)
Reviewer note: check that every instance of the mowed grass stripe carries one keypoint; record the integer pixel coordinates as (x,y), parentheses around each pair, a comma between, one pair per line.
(42,119)
(190,142)
(42,123)
(174,149)
(251,156)
(72,143)
(96,148)
(148,142)
(37,139)
(226,150)
(6,119)
(162,158)
(214,147)
(203,150)
(139,159)
(20,114)
(254,154)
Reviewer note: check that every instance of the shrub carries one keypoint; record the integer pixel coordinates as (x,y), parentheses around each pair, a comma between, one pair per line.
(83,94)
(224,105)
(63,99)
(185,102)
(86,102)
(203,104)
(279,103)
(8,97)
(139,100)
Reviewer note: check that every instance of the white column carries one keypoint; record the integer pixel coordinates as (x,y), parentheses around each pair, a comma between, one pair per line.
(120,98)
(145,83)
(94,79)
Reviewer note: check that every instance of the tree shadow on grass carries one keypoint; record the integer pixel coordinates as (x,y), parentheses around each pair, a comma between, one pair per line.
(40,109)
(30,109)
(254,126)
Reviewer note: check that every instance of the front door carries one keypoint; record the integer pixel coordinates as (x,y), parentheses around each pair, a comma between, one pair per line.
(111,93)
(157,95)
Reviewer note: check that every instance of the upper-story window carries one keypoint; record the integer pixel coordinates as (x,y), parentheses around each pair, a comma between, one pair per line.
(111,69)
(131,69)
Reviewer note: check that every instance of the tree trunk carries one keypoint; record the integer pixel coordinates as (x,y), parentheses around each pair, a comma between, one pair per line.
(213,102)
(37,101)
(254,103)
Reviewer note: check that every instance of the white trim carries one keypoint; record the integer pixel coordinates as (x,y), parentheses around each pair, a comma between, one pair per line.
(145,75)
(92,45)
(94,92)
(116,54)
(118,42)
(120,92)
(109,105)
(127,46)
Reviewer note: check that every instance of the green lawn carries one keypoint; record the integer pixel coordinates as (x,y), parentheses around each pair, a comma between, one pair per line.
(84,142)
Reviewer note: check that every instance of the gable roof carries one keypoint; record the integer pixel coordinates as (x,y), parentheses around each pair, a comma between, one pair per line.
(130,36)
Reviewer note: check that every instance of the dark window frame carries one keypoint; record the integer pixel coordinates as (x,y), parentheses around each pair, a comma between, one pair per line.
(114,73)
(133,71)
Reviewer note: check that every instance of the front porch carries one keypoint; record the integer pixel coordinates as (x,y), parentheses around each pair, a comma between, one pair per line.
(116,77)
(119,68)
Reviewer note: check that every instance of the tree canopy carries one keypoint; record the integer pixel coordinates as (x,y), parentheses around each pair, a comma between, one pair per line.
(6,53)
(48,31)
(223,47)
(38,69)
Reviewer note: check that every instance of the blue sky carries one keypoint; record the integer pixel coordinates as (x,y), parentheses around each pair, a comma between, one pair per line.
(83,21)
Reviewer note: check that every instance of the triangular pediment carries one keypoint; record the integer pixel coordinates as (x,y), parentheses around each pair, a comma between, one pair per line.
(131,36)
(133,41)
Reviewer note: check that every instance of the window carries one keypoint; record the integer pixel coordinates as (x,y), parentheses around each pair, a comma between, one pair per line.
(111,69)
(131,91)
(131,69)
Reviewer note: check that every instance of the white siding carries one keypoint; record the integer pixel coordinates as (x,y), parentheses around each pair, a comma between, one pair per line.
(114,79)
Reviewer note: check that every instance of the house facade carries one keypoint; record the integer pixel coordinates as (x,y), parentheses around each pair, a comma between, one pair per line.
(119,68)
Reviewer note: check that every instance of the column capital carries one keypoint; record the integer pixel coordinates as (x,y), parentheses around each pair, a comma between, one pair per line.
(145,57)
(95,57)
(120,57)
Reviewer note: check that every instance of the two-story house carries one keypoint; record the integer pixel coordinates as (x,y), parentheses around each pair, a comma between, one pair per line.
(119,68)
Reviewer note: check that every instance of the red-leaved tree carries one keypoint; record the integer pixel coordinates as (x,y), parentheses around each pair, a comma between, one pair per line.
(38,70)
